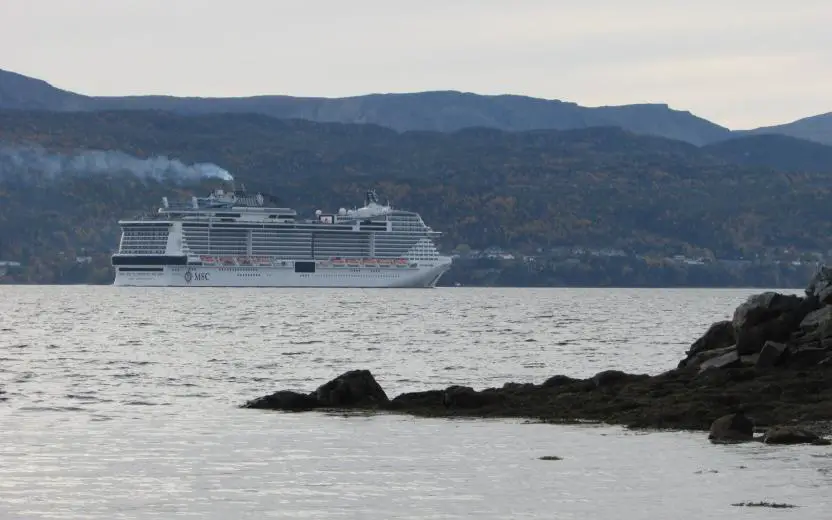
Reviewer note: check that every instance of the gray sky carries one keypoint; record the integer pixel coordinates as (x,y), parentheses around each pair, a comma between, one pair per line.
(739,63)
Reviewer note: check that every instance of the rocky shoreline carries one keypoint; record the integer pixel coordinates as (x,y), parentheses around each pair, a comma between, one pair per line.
(768,368)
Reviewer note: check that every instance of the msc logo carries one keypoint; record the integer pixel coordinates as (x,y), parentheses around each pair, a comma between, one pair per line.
(199,277)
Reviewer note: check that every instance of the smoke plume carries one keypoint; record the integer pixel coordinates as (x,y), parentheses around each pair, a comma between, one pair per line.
(28,159)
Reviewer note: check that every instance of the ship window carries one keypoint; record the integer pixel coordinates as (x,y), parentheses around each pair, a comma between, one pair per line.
(149,260)
(304,267)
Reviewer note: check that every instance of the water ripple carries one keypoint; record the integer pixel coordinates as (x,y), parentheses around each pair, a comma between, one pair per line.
(123,404)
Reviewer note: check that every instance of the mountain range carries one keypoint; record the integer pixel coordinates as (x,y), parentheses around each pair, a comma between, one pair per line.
(442,111)
(600,187)
(520,173)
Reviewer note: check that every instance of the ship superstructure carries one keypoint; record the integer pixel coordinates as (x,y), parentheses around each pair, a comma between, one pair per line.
(233,238)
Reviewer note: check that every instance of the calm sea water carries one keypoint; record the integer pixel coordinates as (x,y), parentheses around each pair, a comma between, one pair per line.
(122,403)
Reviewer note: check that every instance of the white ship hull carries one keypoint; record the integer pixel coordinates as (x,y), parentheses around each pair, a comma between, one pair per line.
(236,240)
(423,276)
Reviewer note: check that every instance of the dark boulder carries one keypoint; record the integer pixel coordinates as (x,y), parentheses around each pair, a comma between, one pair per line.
(730,359)
(735,427)
(356,388)
(284,400)
(609,378)
(768,316)
(792,435)
(778,371)
(719,335)
(818,323)
(695,361)
(759,308)
(805,357)
(821,285)
(466,397)
(771,354)
(825,295)
(519,387)
(558,381)
(752,339)
(417,400)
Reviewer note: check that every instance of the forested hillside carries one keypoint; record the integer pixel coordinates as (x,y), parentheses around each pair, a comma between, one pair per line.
(526,191)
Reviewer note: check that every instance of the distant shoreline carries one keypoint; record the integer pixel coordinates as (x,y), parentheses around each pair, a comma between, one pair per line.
(613,287)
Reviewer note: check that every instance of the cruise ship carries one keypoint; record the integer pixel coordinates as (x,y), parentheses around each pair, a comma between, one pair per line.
(236,239)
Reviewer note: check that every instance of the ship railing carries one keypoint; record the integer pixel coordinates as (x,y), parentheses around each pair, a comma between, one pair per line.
(147,217)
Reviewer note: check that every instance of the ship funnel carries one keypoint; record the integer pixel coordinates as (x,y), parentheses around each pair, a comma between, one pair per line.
(370,198)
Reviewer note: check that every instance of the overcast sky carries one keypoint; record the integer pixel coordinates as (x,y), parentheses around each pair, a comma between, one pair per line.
(739,63)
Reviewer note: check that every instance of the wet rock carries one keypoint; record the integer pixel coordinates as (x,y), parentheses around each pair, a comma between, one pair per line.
(768,316)
(419,400)
(804,357)
(608,378)
(763,307)
(718,336)
(752,339)
(772,505)
(518,387)
(734,427)
(749,360)
(284,400)
(466,397)
(802,338)
(792,435)
(818,323)
(356,388)
(775,381)
(820,285)
(695,361)
(558,381)
(730,359)
(679,399)
(771,354)
(825,295)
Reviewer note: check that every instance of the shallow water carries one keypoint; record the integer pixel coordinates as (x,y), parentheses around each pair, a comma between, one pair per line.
(121,403)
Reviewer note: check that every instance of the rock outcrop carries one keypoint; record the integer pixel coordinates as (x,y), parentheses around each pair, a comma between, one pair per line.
(353,389)
(792,435)
(716,340)
(771,330)
(769,366)
(735,427)
(357,388)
